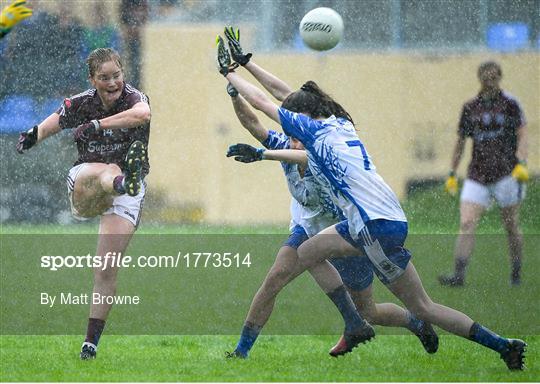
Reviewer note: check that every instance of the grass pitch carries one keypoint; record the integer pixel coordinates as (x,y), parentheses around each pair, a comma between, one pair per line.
(38,344)
(275,358)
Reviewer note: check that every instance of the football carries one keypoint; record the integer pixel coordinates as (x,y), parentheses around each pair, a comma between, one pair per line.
(321,28)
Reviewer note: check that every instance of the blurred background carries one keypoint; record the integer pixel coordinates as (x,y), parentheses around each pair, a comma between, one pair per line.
(403,70)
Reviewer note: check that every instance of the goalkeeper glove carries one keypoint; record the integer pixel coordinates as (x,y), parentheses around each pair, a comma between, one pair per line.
(12,15)
(520,172)
(233,37)
(27,139)
(451,185)
(245,153)
(82,132)
(224,58)
(231,90)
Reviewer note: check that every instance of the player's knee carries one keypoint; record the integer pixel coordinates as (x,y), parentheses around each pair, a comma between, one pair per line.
(305,255)
(108,173)
(112,168)
(368,312)
(275,280)
(303,250)
(467,226)
(511,226)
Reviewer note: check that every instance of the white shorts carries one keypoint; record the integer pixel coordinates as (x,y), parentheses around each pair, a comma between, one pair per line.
(507,192)
(128,207)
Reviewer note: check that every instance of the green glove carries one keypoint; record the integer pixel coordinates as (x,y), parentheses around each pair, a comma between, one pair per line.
(224,58)
(233,37)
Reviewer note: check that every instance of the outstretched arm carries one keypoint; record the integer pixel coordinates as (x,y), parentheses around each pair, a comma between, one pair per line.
(277,87)
(254,96)
(295,156)
(48,127)
(137,115)
(245,115)
(246,153)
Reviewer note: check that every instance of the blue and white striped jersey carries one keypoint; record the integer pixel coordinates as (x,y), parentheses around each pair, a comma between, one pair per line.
(341,164)
(311,207)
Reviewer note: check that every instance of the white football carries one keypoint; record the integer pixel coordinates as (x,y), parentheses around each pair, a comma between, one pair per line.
(321,28)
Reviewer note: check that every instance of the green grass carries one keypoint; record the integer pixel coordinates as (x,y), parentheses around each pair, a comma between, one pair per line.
(41,344)
(430,211)
(151,228)
(282,359)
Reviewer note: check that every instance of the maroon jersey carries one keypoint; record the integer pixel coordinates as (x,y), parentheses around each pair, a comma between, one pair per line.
(492,125)
(109,145)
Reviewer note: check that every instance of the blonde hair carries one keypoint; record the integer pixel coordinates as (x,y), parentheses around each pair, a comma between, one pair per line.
(99,56)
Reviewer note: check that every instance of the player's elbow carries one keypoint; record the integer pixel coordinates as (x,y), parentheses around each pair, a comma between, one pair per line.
(143,115)
(147,116)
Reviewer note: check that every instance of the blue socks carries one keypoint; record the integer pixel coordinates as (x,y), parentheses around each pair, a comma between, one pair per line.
(339,296)
(249,334)
(487,338)
(343,301)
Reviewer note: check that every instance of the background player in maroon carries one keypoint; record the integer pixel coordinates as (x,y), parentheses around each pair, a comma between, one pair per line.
(497,126)
(112,124)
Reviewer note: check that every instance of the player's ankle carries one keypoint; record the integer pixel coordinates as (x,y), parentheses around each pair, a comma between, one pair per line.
(118,185)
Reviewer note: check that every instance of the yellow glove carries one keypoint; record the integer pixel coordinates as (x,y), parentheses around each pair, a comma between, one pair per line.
(520,173)
(451,185)
(12,15)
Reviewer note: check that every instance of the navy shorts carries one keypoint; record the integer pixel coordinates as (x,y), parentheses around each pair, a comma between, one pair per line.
(382,241)
(356,271)
(296,238)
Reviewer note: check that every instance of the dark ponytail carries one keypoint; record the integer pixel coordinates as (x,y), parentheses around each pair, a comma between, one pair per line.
(312,100)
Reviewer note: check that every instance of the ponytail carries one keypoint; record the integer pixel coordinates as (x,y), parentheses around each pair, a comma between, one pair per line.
(312,100)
